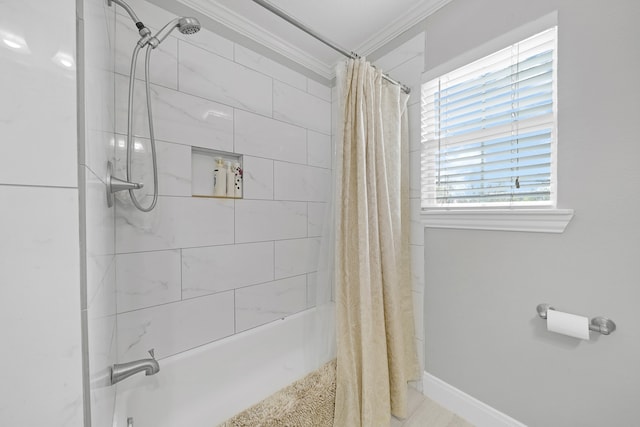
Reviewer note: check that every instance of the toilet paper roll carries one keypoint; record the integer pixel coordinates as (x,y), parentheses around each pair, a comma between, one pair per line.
(568,324)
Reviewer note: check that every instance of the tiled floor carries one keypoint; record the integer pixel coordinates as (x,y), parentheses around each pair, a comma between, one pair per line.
(424,412)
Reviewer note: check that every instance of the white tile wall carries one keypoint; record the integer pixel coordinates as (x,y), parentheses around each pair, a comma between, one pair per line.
(99,235)
(260,304)
(416,236)
(312,289)
(298,107)
(220,268)
(319,90)
(318,149)
(300,182)
(269,67)
(40,306)
(415,137)
(316,218)
(196,270)
(202,73)
(264,137)
(414,174)
(257,178)
(262,220)
(147,279)
(417,266)
(176,222)
(39,101)
(96,149)
(177,117)
(295,257)
(174,166)
(175,327)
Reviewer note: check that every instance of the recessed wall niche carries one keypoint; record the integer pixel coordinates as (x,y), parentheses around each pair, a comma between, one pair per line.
(207,170)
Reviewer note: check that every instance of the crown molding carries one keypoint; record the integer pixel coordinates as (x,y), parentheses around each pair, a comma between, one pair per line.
(249,29)
(412,17)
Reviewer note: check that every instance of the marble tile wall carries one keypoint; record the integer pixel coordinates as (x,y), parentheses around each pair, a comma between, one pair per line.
(197,270)
(97,146)
(40,292)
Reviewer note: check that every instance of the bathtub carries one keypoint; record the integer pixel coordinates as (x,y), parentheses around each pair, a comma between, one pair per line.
(207,385)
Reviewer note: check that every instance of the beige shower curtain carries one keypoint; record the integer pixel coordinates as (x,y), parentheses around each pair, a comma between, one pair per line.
(374,309)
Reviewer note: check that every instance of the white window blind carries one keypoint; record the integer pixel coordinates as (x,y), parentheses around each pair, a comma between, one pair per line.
(489,130)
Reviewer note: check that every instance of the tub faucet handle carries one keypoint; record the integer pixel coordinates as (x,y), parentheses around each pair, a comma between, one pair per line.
(152,353)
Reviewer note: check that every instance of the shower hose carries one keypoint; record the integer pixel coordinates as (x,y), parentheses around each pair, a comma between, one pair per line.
(132,73)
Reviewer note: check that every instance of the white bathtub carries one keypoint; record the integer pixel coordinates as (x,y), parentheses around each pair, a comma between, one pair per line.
(205,386)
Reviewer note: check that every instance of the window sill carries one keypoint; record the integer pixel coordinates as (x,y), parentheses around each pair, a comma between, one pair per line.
(529,220)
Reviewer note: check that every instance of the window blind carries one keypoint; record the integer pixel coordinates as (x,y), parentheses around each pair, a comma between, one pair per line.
(489,132)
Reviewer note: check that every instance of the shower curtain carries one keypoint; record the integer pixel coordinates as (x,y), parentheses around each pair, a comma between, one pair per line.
(376,354)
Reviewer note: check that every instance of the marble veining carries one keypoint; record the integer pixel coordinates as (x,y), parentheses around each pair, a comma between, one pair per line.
(205,74)
(175,327)
(174,167)
(147,279)
(264,137)
(260,220)
(257,305)
(295,106)
(295,257)
(300,182)
(165,227)
(258,178)
(220,268)
(178,117)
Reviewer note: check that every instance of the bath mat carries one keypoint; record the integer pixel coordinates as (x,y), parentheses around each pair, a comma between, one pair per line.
(308,402)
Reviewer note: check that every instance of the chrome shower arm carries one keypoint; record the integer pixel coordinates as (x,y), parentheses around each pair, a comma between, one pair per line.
(126,7)
(142,30)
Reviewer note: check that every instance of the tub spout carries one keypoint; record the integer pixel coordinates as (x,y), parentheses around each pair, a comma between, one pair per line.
(120,371)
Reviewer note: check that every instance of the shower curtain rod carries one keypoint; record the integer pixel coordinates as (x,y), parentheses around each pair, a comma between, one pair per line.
(282,14)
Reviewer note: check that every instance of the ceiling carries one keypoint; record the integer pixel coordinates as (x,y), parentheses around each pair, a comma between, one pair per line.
(360,26)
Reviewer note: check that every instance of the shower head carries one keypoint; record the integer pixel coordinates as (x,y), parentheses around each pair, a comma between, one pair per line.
(186,25)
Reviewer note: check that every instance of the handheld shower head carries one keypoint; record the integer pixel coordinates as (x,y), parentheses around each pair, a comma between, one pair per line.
(186,25)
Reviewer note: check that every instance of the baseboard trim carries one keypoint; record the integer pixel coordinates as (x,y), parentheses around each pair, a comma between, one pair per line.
(468,407)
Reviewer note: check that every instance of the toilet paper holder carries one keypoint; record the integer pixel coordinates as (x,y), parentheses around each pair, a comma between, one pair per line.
(597,324)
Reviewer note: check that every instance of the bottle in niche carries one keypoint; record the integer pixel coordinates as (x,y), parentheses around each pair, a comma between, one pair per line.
(219,178)
(230,179)
(237,188)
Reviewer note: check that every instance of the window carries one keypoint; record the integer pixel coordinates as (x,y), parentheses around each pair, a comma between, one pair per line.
(489,130)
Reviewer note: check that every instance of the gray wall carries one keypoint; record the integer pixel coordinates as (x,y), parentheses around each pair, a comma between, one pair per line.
(482,334)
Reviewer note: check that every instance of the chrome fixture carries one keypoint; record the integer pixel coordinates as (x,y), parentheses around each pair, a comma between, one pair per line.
(597,324)
(185,26)
(142,30)
(291,20)
(120,371)
(116,184)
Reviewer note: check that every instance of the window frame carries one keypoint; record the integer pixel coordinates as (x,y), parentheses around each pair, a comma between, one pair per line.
(542,218)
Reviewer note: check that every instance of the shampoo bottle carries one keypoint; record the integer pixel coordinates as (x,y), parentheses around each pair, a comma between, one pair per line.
(230,179)
(219,178)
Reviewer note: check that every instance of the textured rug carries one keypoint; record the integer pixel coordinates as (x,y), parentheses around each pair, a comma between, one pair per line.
(308,402)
